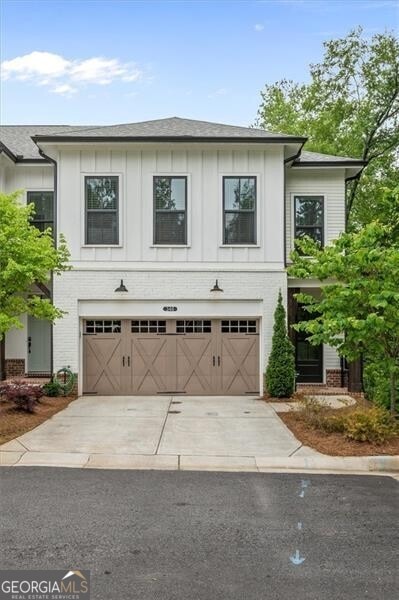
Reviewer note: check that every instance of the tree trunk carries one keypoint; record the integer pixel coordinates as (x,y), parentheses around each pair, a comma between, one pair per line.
(2,358)
(393,391)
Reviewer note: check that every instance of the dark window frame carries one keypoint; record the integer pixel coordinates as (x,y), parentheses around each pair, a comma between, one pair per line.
(102,210)
(311,227)
(157,211)
(229,211)
(34,220)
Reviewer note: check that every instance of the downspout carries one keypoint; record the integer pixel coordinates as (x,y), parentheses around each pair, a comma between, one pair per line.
(54,163)
(286,161)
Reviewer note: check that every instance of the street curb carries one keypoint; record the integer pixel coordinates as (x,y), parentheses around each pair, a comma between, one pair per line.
(331,463)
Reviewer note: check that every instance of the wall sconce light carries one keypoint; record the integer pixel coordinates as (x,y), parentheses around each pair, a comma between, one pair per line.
(121,287)
(216,287)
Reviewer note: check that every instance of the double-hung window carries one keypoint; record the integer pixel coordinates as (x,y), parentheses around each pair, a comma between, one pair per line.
(102,206)
(239,210)
(170,210)
(309,217)
(44,209)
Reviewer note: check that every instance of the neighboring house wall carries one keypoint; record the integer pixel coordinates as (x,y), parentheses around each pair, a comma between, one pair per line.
(204,165)
(24,178)
(329,183)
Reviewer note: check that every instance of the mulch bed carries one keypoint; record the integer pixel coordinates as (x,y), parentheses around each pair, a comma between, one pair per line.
(335,444)
(15,422)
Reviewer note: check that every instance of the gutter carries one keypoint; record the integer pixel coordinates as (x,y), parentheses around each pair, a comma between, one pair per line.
(160,139)
(54,163)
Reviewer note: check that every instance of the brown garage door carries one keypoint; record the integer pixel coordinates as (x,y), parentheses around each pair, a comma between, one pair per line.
(148,357)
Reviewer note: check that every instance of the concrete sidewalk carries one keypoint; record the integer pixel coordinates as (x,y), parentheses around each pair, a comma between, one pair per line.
(186,433)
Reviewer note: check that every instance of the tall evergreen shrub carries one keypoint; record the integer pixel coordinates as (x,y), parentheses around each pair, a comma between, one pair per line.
(280,372)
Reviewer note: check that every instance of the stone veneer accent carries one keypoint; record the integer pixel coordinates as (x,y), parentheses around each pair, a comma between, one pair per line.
(333,378)
(15,367)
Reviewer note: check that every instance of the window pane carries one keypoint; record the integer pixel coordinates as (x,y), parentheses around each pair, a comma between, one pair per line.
(170,228)
(102,193)
(43,202)
(239,228)
(170,193)
(247,194)
(239,193)
(309,211)
(316,233)
(102,228)
(231,193)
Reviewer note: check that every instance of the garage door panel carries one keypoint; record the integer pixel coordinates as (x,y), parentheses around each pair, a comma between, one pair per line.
(103,365)
(239,364)
(195,372)
(151,364)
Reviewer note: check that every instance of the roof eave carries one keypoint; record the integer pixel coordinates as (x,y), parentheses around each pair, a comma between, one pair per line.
(329,163)
(185,138)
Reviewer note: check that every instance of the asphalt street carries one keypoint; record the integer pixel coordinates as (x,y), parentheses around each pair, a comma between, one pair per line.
(158,535)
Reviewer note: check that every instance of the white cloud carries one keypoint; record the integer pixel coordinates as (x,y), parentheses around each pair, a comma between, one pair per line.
(64,90)
(64,75)
(219,92)
(259,27)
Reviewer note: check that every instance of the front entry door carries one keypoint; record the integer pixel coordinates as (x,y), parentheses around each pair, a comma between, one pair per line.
(309,358)
(39,345)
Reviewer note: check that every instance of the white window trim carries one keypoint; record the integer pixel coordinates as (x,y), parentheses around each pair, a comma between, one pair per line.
(259,195)
(121,197)
(325,220)
(188,210)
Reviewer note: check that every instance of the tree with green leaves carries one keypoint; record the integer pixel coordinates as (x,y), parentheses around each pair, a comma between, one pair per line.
(280,372)
(358,311)
(27,257)
(350,107)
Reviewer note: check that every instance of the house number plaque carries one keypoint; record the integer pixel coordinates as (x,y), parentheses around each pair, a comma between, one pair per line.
(170,308)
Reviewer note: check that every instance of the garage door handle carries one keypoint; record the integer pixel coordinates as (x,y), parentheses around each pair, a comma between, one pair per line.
(214,361)
(218,361)
(123,361)
(128,361)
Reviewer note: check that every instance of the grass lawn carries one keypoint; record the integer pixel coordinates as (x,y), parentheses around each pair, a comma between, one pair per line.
(15,422)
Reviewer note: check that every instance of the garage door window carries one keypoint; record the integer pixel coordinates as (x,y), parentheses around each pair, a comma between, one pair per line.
(148,326)
(102,327)
(193,327)
(239,326)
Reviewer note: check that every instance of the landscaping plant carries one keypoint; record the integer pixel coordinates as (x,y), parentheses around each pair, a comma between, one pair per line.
(358,311)
(24,395)
(280,372)
(52,389)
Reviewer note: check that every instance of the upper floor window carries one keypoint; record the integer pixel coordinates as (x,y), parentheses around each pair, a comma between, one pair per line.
(170,210)
(102,200)
(239,210)
(309,217)
(44,209)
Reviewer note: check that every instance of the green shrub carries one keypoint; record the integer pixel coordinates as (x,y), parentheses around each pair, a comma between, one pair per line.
(376,383)
(52,389)
(360,424)
(370,425)
(280,372)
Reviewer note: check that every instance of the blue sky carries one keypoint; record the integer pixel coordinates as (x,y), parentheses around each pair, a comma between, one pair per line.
(111,61)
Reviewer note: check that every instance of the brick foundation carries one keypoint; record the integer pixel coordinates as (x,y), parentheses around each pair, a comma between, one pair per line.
(15,367)
(333,378)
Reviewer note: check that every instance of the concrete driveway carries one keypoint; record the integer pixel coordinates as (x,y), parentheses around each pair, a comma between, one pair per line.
(157,432)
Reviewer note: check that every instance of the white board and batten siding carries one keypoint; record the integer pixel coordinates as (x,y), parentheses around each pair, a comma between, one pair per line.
(28,178)
(204,166)
(329,183)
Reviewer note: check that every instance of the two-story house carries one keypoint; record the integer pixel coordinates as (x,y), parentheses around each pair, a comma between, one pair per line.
(179,233)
